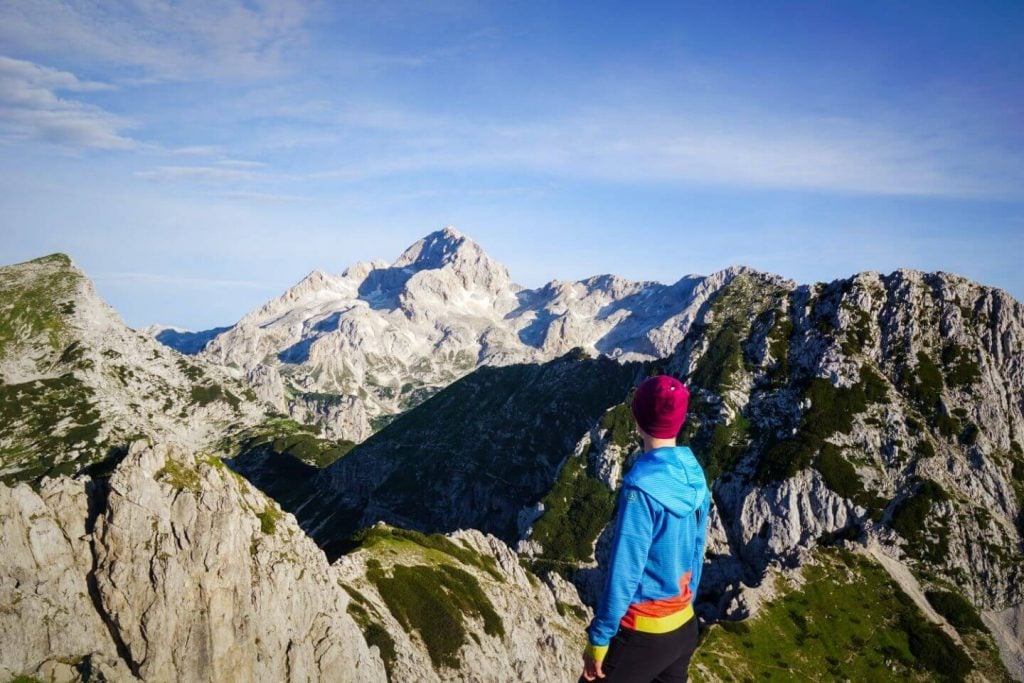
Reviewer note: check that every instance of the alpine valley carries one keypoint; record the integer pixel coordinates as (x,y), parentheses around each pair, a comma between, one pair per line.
(406,472)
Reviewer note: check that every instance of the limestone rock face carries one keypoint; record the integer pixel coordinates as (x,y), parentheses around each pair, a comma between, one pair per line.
(174,569)
(48,615)
(340,417)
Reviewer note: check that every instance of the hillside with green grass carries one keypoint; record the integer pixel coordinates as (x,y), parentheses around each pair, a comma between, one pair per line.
(845,618)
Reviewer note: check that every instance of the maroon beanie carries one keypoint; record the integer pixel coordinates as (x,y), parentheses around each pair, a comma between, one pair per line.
(659,406)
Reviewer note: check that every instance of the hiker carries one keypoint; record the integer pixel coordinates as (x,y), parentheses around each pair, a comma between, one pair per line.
(644,628)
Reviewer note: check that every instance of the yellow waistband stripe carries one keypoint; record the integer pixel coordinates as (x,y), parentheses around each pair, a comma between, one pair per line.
(663,624)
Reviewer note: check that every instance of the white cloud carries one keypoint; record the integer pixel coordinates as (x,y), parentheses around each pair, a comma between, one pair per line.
(206,174)
(139,278)
(240,163)
(30,108)
(197,151)
(262,197)
(230,38)
(638,144)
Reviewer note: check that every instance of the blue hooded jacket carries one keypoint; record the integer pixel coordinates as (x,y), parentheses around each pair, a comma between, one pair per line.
(660,532)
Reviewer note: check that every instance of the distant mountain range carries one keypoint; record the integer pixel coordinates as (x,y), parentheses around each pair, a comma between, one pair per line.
(350,351)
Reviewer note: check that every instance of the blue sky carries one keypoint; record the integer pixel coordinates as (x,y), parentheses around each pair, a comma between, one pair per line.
(198,157)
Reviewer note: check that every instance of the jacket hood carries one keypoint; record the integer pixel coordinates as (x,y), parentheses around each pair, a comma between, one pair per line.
(672,476)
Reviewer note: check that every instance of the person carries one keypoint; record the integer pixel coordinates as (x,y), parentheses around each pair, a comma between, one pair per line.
(644,628)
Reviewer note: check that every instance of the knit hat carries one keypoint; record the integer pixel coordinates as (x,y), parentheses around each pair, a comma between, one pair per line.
(659,406)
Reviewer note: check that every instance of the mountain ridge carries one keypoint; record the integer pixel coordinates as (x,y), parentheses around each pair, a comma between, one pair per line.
(877,409)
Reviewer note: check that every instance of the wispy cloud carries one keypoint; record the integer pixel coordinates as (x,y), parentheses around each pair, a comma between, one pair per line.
(230,38)
(213,173)
(140,278)
(197,151)
(653,145)
(262,197)
(30,108)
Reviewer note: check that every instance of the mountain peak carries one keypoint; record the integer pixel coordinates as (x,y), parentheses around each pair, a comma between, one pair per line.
(437,249)
(59,259)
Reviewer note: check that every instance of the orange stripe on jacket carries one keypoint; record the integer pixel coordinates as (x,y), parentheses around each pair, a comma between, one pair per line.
(659,608)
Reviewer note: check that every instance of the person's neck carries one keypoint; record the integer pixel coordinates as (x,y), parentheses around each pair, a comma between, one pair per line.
(651,442)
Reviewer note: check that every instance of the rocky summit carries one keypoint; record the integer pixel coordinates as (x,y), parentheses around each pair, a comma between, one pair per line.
(429,458)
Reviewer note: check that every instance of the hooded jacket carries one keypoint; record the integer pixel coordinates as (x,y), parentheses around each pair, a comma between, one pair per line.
(658,550)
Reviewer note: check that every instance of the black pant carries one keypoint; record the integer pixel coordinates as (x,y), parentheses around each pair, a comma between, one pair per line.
(638,657)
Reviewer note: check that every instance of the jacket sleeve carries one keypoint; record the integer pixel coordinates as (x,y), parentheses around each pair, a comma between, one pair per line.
(634,525)
(697,563)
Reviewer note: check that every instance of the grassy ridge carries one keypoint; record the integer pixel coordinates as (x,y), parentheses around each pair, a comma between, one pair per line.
(423,581)
(36,301)
(283,436)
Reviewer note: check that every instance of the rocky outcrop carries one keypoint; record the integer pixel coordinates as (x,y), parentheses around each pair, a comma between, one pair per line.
(50,623)
(891,411)
(340,417)
(174,569)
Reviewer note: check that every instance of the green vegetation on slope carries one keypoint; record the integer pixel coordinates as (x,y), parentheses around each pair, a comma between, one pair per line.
(927,535)
(745,309)
(961,368)
(269,519)
(377,536)
(778,346)
(832,411)
(956,610)
(858,335)
(726,445)
(840,476)
(621,426)
(445,467)
(181,477)
(576,509)
(723,359)
(923,385)
(282,436)
(42,421)
(849,621)
(205,394)
(746,298)
(434,602)
(35,303)
(373,631)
